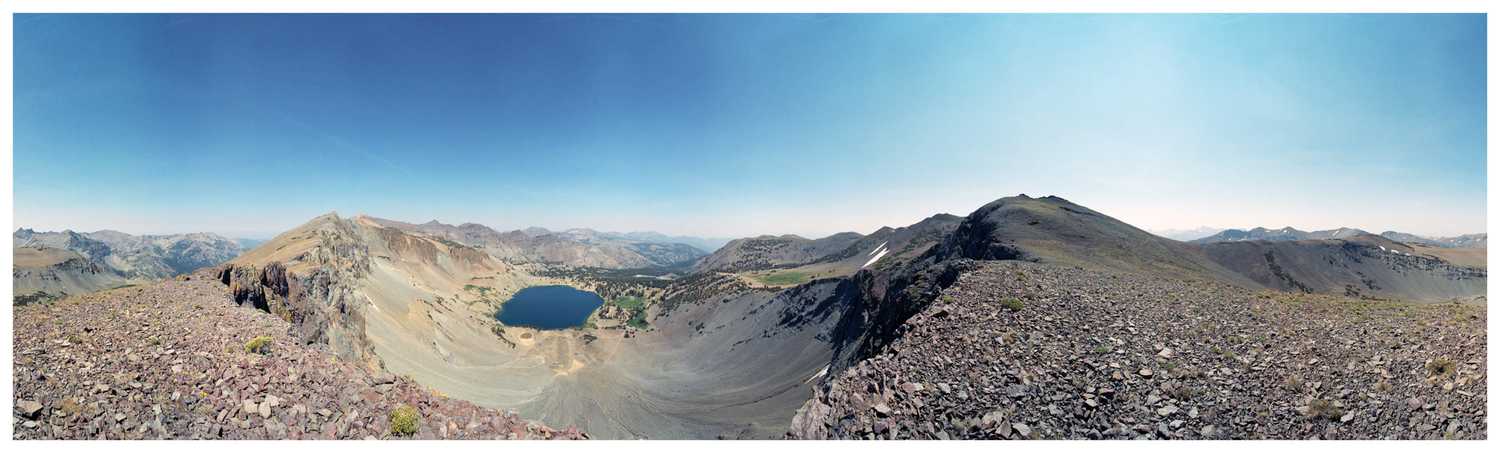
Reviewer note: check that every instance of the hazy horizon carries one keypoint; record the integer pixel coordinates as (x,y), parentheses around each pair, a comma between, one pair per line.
(742,125)
(1164,232)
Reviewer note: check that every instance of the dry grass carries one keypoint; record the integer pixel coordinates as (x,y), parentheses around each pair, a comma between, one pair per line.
(1441,367)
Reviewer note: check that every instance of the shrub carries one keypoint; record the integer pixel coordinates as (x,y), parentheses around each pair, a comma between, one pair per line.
(1441,367)
(71,407)
(1292,383)
(1012,304)
(1321,408)
(404,420)
(258,345)
(638,322)
(1384,386)
(1179,391)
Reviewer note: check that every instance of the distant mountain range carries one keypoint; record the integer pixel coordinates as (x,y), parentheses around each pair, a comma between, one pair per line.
(841,253)
(1187,234)
(1292,234)
(1467,241)
(576,247)
(50,264)
(1279,234)
(707,245)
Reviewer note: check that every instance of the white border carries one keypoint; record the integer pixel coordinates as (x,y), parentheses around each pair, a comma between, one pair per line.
(1176,6)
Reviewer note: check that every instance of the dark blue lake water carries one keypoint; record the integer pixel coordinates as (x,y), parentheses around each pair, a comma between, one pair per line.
(549,307)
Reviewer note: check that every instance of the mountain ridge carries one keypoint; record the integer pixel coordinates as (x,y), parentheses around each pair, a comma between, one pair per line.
(576,247)
(54,264)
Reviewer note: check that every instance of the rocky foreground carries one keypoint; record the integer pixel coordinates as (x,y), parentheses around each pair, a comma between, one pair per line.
(174,360)
(1024,351)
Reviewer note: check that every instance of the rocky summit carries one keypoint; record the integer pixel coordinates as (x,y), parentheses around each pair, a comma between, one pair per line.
(181,360)
(1017,350)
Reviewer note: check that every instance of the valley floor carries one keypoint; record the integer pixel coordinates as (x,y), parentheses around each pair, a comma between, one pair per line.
(1017,350)
(168,361)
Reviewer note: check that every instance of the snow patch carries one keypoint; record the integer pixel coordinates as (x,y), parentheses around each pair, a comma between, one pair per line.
(877,248)
(821,373)
(881,253)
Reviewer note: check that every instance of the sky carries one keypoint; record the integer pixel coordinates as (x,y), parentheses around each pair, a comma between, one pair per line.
(739,125)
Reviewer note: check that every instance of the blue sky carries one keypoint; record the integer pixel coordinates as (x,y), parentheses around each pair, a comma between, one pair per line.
(734,125)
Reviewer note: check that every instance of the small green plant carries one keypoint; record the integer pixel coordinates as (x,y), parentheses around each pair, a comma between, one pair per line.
(948,299)
(1012,304)
(1441,367)
(258,345)
(404,420)
(1101,349)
